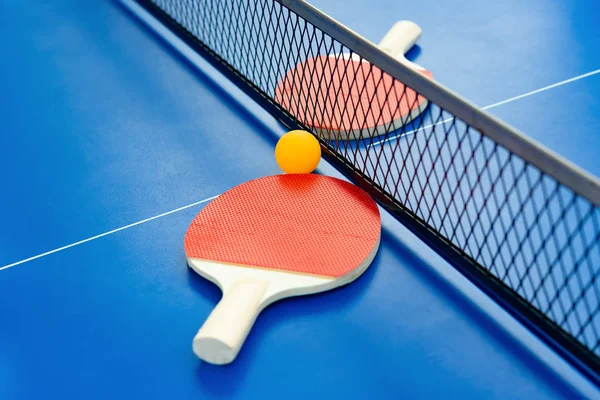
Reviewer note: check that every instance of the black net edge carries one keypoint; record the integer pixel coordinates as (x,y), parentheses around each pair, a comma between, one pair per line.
(557,332)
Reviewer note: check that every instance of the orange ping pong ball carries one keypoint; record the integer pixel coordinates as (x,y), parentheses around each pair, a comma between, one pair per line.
(298,152)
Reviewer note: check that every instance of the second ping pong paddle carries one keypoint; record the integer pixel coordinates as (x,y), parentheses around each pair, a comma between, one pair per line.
(272,238)
(350,98)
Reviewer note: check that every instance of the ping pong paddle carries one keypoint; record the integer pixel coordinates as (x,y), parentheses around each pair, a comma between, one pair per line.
(272,238)
(350,97)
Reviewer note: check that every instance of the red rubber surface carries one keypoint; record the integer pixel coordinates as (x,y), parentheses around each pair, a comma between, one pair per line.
(343,94)
(309,224)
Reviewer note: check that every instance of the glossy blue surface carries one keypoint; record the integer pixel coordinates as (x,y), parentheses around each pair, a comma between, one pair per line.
(103,125)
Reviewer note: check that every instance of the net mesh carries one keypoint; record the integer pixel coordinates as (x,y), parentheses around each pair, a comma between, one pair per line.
(503,216)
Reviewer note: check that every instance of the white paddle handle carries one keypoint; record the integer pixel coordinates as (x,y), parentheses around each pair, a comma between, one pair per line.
(400,38)
(220,338)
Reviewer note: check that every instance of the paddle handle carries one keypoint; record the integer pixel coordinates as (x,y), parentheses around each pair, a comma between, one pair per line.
(221,337)
(400,38)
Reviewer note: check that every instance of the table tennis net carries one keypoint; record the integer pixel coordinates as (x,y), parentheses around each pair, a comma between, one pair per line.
(528,238)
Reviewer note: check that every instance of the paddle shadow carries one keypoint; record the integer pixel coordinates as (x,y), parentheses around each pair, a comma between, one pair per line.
(413,53)
(225,381)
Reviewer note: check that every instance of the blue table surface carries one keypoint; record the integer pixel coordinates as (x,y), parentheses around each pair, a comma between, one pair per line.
(104,126)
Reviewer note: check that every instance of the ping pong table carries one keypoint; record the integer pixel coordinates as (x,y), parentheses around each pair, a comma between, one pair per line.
(115,132)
